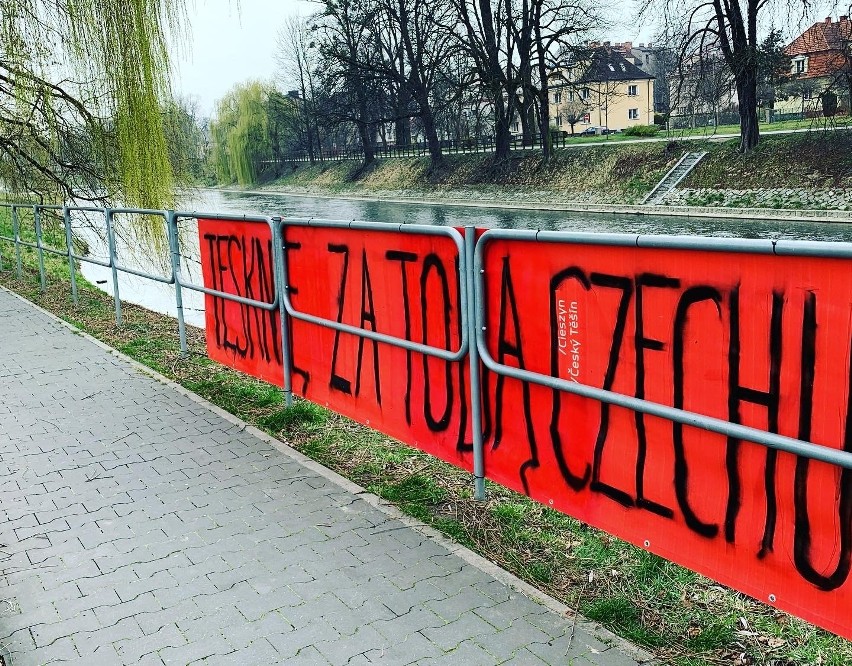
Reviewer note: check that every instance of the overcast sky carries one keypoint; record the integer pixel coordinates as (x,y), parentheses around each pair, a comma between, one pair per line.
(232,42)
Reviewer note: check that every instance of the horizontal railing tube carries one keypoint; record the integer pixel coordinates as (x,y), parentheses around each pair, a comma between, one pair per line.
(410,345)
(175,217)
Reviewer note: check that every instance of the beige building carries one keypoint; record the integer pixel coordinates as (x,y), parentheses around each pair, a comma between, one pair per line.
(605,90)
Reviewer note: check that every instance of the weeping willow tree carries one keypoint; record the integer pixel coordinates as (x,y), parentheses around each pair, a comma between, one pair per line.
(242,144)
(82,86)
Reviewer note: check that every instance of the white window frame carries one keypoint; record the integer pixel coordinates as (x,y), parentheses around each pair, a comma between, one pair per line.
(632,90)
(632,114)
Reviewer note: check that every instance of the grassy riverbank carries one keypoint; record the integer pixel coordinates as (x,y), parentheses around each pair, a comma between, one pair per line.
(681,617)
(806,170)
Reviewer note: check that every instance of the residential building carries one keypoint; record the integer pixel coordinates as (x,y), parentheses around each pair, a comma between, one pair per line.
(602,89)
(820,60)
(703,91)
(657,61)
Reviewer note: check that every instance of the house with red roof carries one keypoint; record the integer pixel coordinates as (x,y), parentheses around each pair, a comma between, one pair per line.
(820,60)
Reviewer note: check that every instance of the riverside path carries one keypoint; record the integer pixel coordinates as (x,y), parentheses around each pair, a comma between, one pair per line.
(140,525)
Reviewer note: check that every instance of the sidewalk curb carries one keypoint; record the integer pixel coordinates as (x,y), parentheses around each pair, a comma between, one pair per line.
(486,566)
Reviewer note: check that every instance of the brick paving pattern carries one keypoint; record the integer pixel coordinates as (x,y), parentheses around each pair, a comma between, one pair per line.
(139,527)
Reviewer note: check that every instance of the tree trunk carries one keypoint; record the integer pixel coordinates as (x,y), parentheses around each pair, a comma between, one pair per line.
(544,125)
(402,129)
(431,133)
(502,134)
(527,117)
(365,135)
(747,98)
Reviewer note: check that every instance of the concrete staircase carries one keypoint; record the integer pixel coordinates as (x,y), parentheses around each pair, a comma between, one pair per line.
(678,172)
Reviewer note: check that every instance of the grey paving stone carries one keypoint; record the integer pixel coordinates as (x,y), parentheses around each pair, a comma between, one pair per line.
(415,620)
(449,636)
(132,650)
(342,650)
(58,652)
(139,527)
(197,651)
(524,657)
(506,643)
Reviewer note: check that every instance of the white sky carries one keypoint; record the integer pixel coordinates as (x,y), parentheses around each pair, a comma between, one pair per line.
(232,41)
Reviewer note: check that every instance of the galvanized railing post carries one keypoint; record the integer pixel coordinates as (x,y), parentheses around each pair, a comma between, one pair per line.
(475,368)
(280,268)
(16,228)
(69,244)
(39,250)
(113,260)
(174,248)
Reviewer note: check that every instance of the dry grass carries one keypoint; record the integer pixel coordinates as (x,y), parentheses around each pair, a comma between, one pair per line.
(620,174)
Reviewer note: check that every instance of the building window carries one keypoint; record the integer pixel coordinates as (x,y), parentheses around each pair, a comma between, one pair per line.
(807,94)
(587,118)
(557,97)
(559,120)
(633,114)
(584,93)
(633,90)
(570,95)
(800,66)
(515,126)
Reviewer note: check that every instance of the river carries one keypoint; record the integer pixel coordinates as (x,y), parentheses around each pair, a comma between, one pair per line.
(160,297)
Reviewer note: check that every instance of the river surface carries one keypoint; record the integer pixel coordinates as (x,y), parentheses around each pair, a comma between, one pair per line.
(139,253)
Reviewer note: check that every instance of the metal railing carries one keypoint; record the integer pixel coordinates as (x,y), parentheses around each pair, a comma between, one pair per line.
(472,278)
(673,414)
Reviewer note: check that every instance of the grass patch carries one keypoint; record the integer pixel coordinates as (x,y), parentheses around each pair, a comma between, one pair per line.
(616,173)
(301,416)
(815,160)
(684,618)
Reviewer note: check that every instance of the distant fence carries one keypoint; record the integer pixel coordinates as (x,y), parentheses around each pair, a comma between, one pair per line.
(685,124)
(691,395)
(561,139)
(765,117)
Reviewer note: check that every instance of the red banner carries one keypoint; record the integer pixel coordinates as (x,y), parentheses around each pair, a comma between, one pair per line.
(759,340)
(403,285)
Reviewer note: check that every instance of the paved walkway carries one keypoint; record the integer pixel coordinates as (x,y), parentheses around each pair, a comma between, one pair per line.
(139,526)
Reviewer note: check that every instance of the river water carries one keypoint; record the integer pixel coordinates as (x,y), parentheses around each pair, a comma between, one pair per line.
(136,253)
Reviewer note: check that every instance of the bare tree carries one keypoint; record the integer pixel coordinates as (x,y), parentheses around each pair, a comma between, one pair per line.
(573,111)
(558,28)
(416,35)
(345,43)
(732,27)
(486,37)
(296,60)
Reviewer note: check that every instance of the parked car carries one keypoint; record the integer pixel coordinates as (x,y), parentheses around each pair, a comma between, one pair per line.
(598,131)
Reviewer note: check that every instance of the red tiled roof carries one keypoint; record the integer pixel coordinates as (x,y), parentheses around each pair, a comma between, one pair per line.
(823,36)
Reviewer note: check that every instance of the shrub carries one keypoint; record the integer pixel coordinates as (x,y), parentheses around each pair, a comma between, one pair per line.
(829,104)
(642,130)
